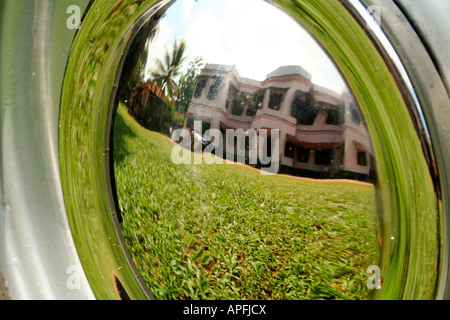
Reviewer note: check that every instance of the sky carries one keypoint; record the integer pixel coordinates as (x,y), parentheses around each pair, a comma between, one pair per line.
(253,35)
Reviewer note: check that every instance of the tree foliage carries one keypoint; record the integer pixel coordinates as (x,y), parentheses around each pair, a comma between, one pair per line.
(166,108)
(168,69)
(186,85)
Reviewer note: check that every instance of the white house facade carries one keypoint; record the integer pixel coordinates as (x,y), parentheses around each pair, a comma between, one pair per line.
(321,133)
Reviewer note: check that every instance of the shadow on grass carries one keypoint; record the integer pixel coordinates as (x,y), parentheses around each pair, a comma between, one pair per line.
(121,133)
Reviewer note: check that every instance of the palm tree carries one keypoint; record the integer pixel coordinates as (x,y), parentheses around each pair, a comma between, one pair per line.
(166,71)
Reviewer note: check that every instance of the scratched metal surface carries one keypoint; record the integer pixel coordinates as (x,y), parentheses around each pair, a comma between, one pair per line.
(36,247)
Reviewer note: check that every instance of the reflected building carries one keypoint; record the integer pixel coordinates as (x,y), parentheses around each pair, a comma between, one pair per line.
(322,133)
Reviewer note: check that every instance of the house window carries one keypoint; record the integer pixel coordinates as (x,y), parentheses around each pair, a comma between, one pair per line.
(303,108)
(216,82)
(255,103)
(242,100)
(323,157)
(276,98)
(237,109)
(239,104)
(231,95)
(335,114)
(190,123)
(251,111)
(252,106)
(357,117)
(302,154)
(201,83)
(289,149)
(361,157)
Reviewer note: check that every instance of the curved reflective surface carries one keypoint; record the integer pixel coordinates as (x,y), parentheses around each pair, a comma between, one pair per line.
(233,185)
(214,182)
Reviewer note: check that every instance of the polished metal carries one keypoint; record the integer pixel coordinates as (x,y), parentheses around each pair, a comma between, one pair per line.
(414,40)
(304,134)
(125,216)
(36,244)
(53,242)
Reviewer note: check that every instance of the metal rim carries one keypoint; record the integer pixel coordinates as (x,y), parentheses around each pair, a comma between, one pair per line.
(429,86)
(37,254)
(82,137)
(392,151)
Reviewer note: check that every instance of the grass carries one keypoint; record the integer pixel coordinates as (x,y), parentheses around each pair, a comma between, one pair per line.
(228,232)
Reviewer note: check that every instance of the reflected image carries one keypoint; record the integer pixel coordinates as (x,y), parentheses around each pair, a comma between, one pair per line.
(243,166)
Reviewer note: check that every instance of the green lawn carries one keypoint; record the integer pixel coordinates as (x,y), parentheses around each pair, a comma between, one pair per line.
(228,232)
